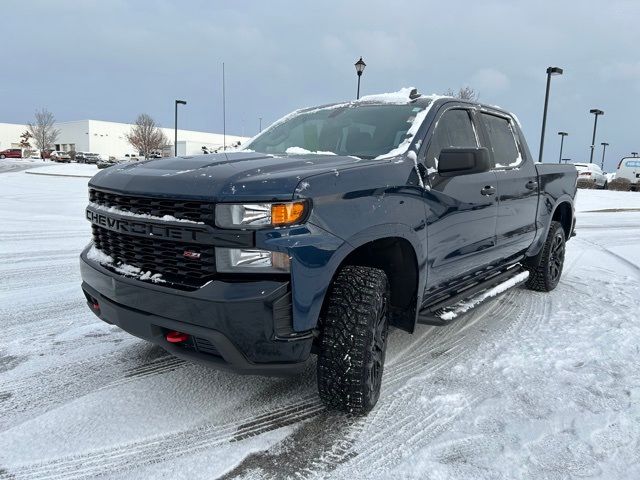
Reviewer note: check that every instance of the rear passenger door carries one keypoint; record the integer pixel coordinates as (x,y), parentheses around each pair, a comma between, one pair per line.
(461,210)
(517,183)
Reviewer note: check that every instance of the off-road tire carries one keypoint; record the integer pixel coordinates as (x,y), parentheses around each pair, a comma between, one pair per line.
(545,274)
(353,340)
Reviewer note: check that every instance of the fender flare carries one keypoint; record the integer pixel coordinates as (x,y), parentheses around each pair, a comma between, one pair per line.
(533,253)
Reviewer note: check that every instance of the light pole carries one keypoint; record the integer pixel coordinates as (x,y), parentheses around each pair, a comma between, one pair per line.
(596,113)
(562,135)
(359,69)
(550,71)
(175,124)
(604,149)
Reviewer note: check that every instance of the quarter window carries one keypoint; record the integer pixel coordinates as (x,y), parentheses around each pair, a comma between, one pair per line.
(454,130)
(503,142)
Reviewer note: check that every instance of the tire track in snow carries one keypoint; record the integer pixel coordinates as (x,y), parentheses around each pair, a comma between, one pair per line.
(147,450)
(69,382)
(158,448)
(436,350)
(155,449)
(376,449)
(628,263)
(379,453)
(372,455)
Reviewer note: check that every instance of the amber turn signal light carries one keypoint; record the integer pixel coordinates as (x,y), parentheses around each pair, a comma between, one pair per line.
(287,213)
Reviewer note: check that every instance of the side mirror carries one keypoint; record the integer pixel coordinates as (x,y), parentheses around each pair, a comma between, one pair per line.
(463,161)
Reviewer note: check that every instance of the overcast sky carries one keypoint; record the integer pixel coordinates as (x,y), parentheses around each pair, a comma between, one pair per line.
(110,60)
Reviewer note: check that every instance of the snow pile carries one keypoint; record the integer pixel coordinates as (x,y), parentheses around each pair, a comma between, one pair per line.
(304,151)
(125,213)
(492,292)
(102,258)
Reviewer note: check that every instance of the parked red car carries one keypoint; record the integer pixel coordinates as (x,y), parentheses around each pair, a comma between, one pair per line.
(11,153)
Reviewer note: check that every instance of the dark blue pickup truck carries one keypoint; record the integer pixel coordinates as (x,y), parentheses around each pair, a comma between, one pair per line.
(329,227)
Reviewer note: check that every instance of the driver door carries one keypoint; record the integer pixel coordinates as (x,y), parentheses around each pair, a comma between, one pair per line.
(462,210)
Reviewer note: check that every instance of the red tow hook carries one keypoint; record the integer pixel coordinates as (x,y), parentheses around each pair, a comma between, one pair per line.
(176,337)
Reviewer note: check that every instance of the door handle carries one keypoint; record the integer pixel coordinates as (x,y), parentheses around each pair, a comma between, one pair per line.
(488,190)
(532,185)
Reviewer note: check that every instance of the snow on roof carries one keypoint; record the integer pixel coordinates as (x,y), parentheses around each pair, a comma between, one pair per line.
(401,96)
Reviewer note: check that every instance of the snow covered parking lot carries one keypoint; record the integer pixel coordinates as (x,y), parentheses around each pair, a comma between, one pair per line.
(527,385)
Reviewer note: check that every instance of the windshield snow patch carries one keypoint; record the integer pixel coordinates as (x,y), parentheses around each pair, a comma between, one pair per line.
(304,151)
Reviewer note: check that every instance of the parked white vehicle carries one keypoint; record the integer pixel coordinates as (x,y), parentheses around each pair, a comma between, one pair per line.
(629,168)
(591,172)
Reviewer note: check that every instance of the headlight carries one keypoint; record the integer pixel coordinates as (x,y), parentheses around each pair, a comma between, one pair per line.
(238,260)
(257,215)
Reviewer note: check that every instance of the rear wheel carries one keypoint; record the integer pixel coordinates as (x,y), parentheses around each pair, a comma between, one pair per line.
(353,340)
(545,276)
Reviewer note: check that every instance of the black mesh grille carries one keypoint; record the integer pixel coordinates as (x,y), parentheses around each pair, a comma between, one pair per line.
(159,256)
(158,207)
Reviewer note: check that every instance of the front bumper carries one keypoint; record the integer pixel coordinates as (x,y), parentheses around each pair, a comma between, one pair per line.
(245,327)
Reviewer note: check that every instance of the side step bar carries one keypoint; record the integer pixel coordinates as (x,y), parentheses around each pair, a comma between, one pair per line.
(443,312)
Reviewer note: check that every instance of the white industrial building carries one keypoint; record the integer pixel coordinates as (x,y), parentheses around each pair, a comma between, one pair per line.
(109,138)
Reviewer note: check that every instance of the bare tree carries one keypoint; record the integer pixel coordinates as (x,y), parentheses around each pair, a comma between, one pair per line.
(146,136)
(465,93)
(43,130)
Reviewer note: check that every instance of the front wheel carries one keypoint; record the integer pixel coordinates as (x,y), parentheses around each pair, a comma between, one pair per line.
(545,276)
(353,340)
(3,157)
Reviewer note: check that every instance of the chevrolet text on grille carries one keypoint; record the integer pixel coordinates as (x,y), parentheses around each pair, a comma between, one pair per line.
(141,228)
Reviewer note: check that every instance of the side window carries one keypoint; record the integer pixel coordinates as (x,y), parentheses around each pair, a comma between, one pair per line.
(454,129)
(503,141)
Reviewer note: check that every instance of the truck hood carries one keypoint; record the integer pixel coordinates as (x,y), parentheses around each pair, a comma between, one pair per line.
(222,177)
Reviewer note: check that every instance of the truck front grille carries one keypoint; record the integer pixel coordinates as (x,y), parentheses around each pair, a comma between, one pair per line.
(195,211)
(159,256)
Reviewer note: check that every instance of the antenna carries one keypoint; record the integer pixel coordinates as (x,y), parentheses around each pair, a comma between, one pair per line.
(224,115)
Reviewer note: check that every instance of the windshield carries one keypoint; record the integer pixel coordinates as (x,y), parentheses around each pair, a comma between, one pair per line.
(362,130)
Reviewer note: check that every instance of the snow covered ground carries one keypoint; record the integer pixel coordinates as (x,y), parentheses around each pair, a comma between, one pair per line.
(527,385)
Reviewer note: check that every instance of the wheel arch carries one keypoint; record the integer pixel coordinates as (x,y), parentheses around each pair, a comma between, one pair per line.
(563,213)
(397,257)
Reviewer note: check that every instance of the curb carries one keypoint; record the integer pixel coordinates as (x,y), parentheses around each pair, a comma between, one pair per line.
(59,175)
